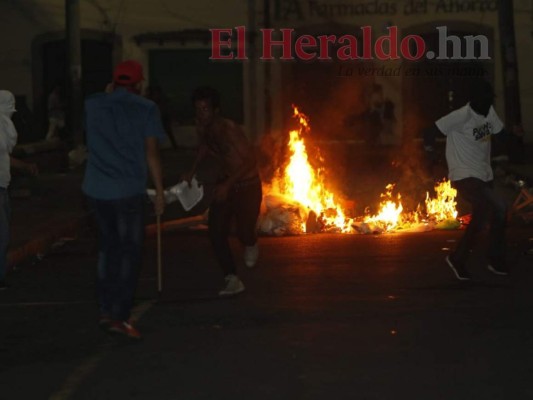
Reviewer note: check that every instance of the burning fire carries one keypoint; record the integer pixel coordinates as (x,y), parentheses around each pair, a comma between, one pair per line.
(302,184)
(390,213)
(298,194)
(443,207)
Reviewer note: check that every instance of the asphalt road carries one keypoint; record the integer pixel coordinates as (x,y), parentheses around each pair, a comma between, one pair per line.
(323,317)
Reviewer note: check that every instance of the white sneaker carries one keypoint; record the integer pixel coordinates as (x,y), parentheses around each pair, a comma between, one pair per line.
(250,255)
(233,286)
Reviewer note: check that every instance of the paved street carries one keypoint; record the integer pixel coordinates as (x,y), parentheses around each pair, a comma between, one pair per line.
(324,316)
(341,103)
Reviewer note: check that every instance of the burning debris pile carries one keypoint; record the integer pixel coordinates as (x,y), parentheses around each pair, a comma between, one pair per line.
(440,213)
(389,216)
(283,216)
(297,201)
(442,210)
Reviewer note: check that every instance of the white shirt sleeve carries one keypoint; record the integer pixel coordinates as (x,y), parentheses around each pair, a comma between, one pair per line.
(451,122)
(495,121)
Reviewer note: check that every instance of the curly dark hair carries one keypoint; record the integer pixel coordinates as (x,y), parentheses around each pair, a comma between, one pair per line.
(207,93)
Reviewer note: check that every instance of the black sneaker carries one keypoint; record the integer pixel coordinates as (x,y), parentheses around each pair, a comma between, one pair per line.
(459,270)
(498,270)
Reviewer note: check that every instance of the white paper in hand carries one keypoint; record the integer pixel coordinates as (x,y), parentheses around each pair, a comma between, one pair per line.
(188,196)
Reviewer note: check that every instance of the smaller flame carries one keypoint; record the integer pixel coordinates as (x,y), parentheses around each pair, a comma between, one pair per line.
(443,207)
(389,215)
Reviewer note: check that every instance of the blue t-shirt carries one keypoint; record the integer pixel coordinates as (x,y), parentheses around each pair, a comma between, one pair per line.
(117,125)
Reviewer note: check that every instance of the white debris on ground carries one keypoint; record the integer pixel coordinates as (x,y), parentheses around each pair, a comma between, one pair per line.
(280,216)
(377,228)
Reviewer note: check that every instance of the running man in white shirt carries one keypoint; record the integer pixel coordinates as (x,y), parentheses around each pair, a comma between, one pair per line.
(468,132)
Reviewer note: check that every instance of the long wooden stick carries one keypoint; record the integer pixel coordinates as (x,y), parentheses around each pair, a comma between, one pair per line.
(159,269)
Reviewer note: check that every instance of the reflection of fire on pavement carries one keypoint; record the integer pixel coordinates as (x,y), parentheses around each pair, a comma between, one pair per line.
(298,201)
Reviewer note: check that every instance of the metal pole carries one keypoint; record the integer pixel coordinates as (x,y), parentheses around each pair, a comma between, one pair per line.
(74,92)
(268,75)
(513,114)
(252,66)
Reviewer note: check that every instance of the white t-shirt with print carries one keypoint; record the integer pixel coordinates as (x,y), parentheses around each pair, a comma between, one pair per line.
(468,136)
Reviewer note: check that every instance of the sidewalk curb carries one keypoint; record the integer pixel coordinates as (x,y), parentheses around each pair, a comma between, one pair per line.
(43,242)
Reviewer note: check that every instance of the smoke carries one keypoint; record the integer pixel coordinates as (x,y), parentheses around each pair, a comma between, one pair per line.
(343,142)
(417,174)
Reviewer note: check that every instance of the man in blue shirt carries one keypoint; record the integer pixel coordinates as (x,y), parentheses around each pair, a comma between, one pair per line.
(122,130)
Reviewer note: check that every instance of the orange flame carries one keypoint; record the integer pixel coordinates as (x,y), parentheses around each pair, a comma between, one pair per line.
(301,187)
(389,215)
(301,183)
(444,206)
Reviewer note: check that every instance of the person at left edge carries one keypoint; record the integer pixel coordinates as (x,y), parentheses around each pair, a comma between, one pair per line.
(8,140)
(123,129)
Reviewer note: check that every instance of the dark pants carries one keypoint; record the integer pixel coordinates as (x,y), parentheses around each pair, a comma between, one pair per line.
(243,203)
(486,205)
(5,213)
(121,228)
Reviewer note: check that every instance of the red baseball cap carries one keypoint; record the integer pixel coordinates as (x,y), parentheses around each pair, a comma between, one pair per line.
(128,72)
